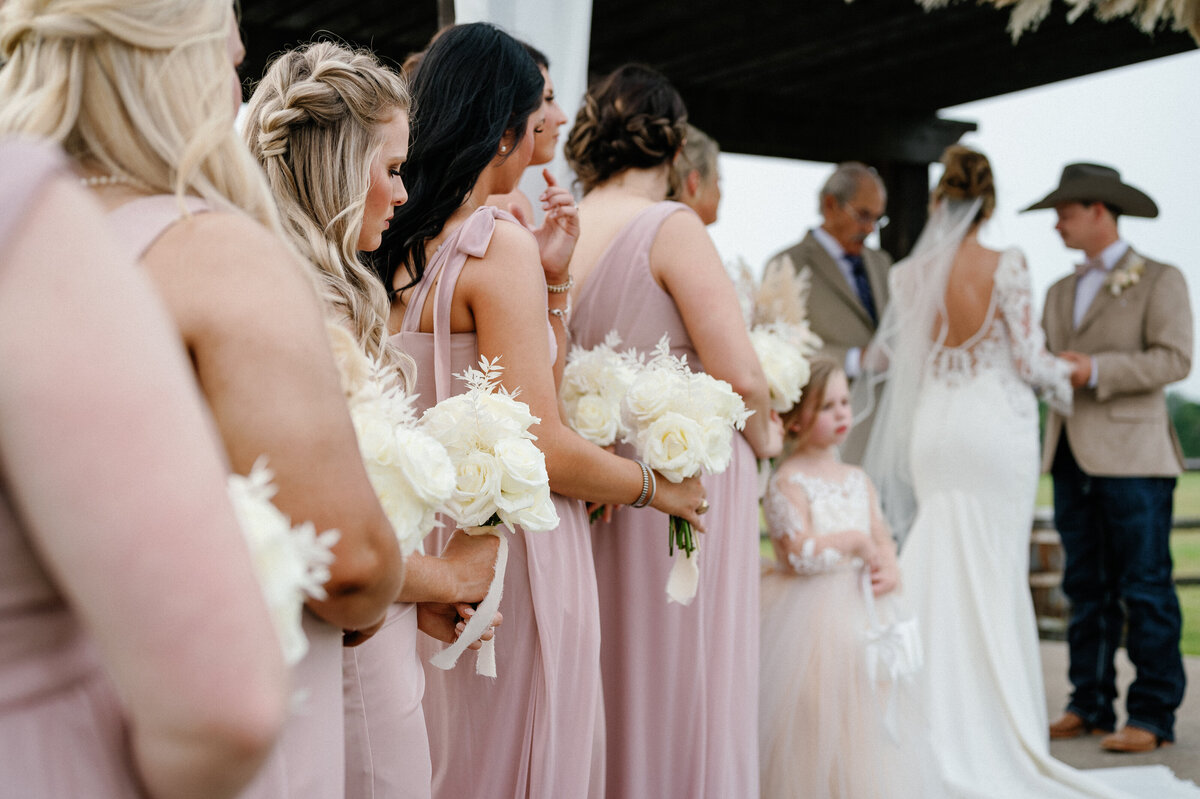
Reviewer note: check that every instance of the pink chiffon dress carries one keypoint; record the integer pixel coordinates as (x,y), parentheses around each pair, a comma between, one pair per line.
(530,731)
(308,759)
(680,683)
(62,730)
(387,746)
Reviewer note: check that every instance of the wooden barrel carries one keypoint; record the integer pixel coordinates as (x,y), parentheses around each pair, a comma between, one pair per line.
(1046,561)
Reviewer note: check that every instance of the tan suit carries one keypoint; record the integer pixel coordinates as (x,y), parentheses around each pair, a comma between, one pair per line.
(1140,341)
(836,314)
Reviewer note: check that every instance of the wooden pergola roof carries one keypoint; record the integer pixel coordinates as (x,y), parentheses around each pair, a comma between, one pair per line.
(821,80)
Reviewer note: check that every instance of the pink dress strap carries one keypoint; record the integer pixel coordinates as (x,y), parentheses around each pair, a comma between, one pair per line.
(26,167)
(139,223)
(470,240)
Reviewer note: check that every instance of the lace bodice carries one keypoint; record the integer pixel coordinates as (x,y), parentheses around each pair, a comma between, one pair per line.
(833,507)
(1009,342)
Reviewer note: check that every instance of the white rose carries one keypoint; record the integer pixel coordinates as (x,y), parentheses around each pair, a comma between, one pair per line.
(426,465)
(673,445)
(651,395)
(375,431)
(717,449)
(595,418)
(500,417)
(447,421)
(541,515)
(477,487)
(524,484)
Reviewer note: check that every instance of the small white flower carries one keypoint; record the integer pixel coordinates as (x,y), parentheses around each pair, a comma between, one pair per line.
(1126,276)
(780,351)
(291,563)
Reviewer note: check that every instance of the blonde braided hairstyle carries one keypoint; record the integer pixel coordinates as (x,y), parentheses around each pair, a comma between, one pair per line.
(141,89)
(315,124)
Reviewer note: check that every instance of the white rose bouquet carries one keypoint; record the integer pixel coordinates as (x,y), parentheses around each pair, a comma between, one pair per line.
(409,469)
(681,422)
(593,385)
(500,478)
(781,353)
(776,311)
(291,563)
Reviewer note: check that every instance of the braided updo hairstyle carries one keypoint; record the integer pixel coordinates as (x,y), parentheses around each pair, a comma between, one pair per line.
(632,119)
(315,123)
(967,176)
(474,85)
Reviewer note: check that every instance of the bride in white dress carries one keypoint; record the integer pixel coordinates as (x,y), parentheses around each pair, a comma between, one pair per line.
(954,454)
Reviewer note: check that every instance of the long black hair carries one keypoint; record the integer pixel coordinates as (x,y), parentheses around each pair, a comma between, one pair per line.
(475,84)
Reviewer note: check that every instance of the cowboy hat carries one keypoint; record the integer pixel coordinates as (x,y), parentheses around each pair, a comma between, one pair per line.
(1097,183)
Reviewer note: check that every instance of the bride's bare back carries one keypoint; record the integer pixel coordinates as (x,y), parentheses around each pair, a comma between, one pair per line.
(969,288)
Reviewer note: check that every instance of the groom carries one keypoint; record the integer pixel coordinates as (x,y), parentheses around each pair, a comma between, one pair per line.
(1124,323)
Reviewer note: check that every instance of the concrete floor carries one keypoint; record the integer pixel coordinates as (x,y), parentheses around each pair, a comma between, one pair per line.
(1183,757)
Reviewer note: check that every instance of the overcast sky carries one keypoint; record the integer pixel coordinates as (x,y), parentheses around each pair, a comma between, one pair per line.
(1144,120)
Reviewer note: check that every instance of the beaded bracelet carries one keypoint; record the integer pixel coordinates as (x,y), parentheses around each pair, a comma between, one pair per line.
(643,497)
(561,288)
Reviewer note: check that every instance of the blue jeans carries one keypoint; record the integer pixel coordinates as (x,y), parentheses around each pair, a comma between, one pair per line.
(1116,535)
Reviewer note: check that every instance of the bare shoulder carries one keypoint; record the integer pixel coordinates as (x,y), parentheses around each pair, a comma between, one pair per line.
(683,240)
(683,225)
(224,270)
(227,245)
(511,259)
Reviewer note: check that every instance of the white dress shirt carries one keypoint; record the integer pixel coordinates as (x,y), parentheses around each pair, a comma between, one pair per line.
(1088,285)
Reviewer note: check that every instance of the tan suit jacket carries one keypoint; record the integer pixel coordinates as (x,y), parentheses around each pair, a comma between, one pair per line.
(1140,341)
(836,314)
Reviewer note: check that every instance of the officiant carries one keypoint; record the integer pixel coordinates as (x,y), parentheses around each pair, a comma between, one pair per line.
(849,279)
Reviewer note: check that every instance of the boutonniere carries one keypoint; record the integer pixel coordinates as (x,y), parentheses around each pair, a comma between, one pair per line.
(1126,276)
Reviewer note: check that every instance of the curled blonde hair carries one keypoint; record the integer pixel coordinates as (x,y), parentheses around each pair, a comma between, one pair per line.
(700,152)
(315,124)
(142,88)
(968,175)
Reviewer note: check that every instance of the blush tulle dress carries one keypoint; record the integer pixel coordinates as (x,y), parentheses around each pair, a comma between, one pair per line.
(826,727)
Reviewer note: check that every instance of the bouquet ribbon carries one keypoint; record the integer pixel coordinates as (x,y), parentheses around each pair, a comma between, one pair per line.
(893,651)
(485,662)
(684,578)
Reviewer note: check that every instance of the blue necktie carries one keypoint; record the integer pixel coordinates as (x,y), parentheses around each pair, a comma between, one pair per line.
(863,286)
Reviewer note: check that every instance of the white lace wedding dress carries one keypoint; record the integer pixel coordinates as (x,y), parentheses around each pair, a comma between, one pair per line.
(965,561)
(826,729)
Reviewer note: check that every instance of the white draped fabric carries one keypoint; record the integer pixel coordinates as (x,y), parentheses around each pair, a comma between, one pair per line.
(562,31)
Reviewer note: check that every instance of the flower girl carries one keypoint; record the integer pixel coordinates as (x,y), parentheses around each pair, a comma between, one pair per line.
(834,716)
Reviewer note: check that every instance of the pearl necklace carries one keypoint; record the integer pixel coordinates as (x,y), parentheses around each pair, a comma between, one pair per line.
(108,180)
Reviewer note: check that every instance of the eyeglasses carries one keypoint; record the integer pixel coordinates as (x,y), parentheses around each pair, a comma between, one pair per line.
(865,218)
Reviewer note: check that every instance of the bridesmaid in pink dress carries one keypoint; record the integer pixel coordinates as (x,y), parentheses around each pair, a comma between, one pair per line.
(159,153)
(120,558)
(477,289)
(318,100)
(679,682)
